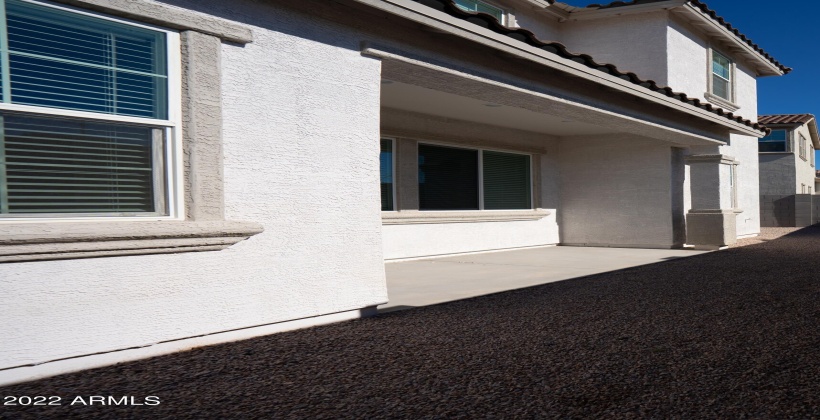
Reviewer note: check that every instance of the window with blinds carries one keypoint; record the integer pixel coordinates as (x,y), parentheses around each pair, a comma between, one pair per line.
(466,179)
(65,60)
(386,174)
(103,152)
(71,166)
(506,181)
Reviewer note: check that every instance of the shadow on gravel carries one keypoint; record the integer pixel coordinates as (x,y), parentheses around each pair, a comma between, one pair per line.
(733,334)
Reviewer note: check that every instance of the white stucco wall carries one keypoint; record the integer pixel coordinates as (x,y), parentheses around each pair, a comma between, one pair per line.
(616,191)
(804,171)
(301,113)
(635,43)
(744,150)
(687,60)
(545,27)
(423,240)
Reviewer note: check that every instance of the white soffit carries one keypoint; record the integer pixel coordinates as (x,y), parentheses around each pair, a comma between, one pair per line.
(417,99)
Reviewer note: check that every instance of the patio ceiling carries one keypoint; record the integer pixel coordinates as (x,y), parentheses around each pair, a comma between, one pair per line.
(412,98)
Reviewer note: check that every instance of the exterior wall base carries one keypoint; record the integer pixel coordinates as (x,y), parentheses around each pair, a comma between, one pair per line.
(58,367)
(638,246)
(711,229)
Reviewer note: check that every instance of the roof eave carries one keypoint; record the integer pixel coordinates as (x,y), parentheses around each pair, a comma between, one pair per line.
(763,66)
(703,21)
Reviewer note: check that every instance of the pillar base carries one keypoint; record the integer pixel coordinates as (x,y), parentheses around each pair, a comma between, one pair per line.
(711,229)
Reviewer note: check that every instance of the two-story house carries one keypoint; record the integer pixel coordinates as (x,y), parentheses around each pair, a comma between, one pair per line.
(787,169)
(183,172)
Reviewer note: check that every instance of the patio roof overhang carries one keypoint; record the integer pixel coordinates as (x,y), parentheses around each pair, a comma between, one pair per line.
(443,23)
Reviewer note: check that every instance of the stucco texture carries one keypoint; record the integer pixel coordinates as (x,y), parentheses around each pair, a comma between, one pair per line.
(616,191)
(301,152)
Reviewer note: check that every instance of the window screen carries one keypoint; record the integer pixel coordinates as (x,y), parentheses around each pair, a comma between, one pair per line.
(448,178)
(506,181)
(386,173)
(776,141)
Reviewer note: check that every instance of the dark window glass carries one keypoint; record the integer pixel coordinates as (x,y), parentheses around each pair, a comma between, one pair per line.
(774,142)
(448,178)
(386,169)
(506,181)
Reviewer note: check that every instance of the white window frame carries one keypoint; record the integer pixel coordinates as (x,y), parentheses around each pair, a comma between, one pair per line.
(481,173)
(812,155)
(392,168)
(504,14)
(729,103)
(172,126)
(802,146)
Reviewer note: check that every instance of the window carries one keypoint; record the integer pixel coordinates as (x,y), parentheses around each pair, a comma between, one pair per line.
(480,6)
(386,173)
(467,179)
(776,141)
(721,76)
(802,188)
(812,154)
(86,117)
(802,146)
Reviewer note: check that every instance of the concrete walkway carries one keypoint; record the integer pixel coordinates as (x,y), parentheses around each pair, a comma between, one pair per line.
(437,280)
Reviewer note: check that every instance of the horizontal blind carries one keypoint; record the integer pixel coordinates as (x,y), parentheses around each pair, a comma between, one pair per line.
(386,174)
(71,166)
(507,181)
(60,59)
(448,178)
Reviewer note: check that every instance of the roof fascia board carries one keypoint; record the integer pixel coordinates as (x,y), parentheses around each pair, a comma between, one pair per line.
(729,37)
(590,14)
(444,23)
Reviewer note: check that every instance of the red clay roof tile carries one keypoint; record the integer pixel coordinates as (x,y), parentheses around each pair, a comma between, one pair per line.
(784,119)
(711,13)
(488,21)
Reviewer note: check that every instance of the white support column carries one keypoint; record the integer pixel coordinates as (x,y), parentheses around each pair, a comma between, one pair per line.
(712,221)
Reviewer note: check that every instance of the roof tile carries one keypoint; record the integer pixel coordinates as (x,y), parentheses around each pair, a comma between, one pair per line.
(711,13)
(784,119)
(488,21)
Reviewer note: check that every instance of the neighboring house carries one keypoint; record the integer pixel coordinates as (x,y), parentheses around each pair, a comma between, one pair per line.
(787,169)
(817,182)
(303,142)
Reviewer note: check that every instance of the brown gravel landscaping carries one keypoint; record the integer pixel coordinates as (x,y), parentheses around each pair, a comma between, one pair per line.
(730,334)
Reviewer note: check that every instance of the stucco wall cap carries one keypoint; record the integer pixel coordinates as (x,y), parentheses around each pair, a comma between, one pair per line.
(720,159)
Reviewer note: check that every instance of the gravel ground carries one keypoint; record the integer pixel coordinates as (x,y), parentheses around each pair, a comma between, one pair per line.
(766,234)
(731,334)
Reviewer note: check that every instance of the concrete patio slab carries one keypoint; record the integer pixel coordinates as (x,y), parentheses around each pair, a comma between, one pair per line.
(436,280)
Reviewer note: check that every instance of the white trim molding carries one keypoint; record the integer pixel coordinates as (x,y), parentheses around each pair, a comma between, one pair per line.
(410,217)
